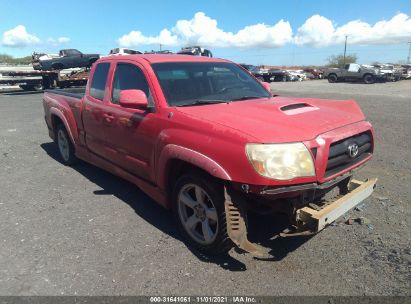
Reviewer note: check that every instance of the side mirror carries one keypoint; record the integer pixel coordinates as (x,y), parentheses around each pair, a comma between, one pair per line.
(133,99)
(266,86)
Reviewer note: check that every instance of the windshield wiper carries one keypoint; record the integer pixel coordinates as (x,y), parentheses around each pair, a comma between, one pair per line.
(204,102)
(247,97)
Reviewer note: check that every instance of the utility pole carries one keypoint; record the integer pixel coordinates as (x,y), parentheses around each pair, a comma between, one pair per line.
(409,53)
(345,48)
(161,46)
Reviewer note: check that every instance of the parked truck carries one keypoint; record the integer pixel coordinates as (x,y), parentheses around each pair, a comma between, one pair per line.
(205,138)
(30,80)
(67,58)
(354,72)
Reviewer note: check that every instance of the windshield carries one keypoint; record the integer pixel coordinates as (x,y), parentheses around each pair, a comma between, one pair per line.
(194,83)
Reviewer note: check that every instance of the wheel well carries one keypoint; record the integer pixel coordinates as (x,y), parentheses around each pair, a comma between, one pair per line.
(331,74)
(367,75)
(55,121)
(176,168)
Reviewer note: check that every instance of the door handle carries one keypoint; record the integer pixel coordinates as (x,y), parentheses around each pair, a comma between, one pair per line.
(108,117)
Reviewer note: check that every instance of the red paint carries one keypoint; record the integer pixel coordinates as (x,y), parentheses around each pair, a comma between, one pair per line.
(133,99)
(138,145)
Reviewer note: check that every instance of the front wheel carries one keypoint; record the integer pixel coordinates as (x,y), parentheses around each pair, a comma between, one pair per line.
(198,206)
(332,78)
(32,87)
(65,147)
(369,79)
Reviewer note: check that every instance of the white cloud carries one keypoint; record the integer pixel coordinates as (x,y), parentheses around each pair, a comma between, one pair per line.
(58,41)
(318,31)
(19,37)
(63,40)
(135,38)
(204,30)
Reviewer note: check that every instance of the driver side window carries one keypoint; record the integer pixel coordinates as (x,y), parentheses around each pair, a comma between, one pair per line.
(129,77)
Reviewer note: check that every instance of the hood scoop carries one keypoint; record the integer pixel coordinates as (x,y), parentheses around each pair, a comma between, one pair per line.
(297,108)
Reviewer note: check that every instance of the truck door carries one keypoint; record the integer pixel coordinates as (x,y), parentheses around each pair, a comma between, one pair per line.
(95,109)
(73,58)
(352,71)
(131,135)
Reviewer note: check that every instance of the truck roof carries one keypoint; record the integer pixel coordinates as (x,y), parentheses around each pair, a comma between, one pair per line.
(158,58)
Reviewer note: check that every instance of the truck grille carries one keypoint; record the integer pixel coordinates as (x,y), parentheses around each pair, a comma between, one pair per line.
(339,157)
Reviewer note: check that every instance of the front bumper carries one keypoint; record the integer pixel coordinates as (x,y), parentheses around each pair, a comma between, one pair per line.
(312,220)
(36,66)
(308,221)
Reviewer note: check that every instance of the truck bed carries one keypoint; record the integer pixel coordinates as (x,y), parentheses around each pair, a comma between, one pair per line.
(78,92)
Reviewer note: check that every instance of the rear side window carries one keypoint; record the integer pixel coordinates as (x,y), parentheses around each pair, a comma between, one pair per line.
(129,77)
(98,83)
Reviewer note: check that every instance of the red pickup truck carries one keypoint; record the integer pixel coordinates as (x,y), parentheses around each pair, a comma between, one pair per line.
(204,137)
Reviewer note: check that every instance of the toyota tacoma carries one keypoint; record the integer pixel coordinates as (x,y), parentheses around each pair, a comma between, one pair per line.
(203,137)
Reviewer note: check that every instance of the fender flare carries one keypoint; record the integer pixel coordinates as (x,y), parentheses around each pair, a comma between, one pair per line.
(59,114)
(190,156)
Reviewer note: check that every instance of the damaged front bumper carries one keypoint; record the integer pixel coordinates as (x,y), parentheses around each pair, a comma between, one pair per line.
(308,220)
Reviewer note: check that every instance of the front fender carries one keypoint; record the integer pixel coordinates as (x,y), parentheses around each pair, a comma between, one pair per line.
(171,151)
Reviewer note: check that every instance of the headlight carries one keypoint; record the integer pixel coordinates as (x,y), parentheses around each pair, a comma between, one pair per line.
(281,161)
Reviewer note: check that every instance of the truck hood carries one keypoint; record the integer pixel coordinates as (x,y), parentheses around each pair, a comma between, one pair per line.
(279,119)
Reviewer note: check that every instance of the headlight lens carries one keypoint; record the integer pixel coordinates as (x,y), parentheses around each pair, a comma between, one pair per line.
(281,161)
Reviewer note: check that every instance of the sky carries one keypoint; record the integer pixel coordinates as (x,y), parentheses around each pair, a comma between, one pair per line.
(285,32)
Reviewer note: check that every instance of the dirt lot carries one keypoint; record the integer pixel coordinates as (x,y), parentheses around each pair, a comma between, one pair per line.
(82,231)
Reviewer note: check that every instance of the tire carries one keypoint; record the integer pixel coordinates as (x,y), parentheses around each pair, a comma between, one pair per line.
(31,87)
(39,87)
(65,146)
(369,79)
(332,78)
(27,87)
(201,221)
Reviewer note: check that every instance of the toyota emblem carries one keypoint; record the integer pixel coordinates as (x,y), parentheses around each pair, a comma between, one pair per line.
(353,150)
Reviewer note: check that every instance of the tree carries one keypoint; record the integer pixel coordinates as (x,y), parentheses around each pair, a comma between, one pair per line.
(4,58)
(337,61)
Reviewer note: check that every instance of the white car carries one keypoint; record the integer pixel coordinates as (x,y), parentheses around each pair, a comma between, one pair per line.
(298,73)
(123,51)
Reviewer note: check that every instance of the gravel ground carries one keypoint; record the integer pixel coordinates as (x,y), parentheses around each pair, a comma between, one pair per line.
(82,231)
